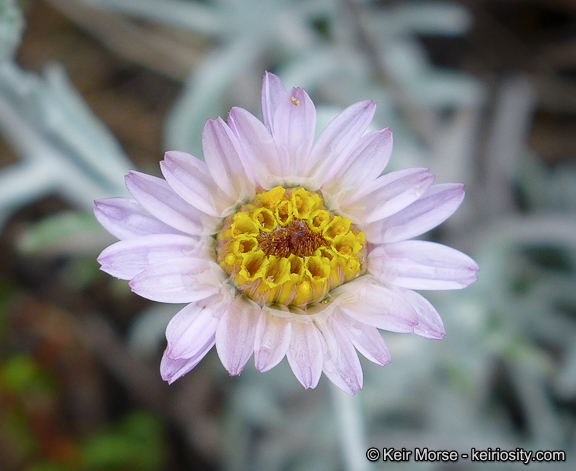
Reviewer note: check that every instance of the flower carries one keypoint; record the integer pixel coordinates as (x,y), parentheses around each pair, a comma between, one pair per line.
(286,246)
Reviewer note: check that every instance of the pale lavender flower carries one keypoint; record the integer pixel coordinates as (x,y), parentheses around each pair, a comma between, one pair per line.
(283,246)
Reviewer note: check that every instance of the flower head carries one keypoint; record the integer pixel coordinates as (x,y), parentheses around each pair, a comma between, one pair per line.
(286,246)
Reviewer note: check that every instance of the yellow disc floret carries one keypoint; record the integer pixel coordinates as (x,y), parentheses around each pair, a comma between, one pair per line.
(286,247)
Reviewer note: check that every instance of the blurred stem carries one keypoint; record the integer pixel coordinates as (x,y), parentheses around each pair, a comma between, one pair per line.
(349,414)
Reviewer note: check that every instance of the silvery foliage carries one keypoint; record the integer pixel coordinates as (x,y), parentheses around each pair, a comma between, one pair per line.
(63,148)
(10,28)
(509,357)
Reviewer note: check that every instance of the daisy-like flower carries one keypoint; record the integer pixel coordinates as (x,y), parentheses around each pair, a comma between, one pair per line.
(283,246)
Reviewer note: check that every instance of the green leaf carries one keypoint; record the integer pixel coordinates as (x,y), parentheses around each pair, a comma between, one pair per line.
(21,374)
(136,443)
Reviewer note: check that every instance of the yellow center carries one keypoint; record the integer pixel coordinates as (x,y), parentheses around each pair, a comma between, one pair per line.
(285,247)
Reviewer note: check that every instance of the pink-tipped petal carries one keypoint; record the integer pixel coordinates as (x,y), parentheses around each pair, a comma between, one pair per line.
(418,264)
(124,218)
(160,200)
(367,339)
(365,163)
(387,195)
(430,324)
(305,353)
(171,369)
(236,333)
(273,335)
(191,331)
(367,301)
(222,153)
(182,280)
(259,148)
(191,179)
(339,138)
(435,205)
(294,131)
(341,363)
(127,258)
(273,92)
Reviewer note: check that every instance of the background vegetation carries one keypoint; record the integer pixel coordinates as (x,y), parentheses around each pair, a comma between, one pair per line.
(481,91)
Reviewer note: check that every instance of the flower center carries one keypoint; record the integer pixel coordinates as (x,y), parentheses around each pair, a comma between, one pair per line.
(285,247)
(296,238)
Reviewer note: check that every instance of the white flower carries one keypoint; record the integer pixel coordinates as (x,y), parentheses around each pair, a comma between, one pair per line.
(283,246)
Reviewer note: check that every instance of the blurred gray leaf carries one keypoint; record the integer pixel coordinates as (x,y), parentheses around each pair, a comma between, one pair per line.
(11,25)
(63,147)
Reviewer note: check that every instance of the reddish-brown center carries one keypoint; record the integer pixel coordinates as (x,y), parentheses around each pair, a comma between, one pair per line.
(294,238)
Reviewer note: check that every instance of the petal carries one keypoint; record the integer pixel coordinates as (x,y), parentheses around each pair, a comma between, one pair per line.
(339,138)
(430,323)
(365,163)
(190,332)
(181,280)
(305,353)
(124,218)
(258,146)
(418,264)
(435,205)
(221,150)
(367,339)
(171,369)
(294,131)
(160,200)
(367,301)
(273,92)
(191,179)
(387,195)
(127,258)
(236,333)
(273,335)
(341,363)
